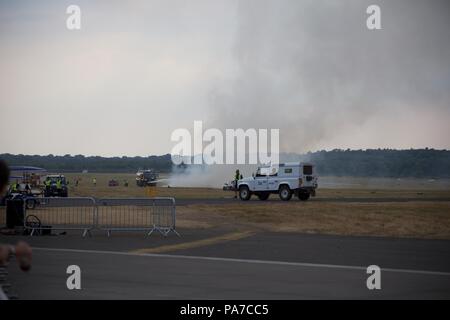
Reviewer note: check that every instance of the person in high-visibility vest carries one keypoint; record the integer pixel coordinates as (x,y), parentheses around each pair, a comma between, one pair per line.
(48,186)
(236,179)
(14,186)
(94,182)
(58,184)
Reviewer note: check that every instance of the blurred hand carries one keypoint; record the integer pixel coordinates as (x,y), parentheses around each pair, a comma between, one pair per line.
(23,255)
(4,254)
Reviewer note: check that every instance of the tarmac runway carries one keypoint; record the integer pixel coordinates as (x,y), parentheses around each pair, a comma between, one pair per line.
(220,264)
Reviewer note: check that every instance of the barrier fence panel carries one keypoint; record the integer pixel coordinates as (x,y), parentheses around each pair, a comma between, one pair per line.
(61,214)
(137,214)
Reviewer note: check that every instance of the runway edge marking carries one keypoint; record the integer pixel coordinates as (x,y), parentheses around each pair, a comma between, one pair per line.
(268,262)
(197,243)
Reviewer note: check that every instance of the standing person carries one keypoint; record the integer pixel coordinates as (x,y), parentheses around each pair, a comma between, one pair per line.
(21,250)
(237,175)
(47,184)
(27,189)
(14,186)
(94,181)
(58,184)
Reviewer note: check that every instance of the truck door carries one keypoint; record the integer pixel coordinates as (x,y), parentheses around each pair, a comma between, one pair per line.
(272,181)
(272,184)
(307,175)
(261,183)
(261,179)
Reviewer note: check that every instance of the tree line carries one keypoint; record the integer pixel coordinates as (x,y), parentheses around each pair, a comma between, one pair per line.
(420,163)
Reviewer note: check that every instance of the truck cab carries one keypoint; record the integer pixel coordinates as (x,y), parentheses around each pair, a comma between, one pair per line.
(285,179)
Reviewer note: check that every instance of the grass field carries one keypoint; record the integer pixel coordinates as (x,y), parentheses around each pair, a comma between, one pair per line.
(395,219)
(350,188)
(409,208)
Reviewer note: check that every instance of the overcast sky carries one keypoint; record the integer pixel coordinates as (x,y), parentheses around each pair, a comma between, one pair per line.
(137,70)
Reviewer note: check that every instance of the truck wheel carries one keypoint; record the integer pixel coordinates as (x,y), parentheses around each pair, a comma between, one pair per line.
(244,193)
(285,193)
(303,196)
(263,196)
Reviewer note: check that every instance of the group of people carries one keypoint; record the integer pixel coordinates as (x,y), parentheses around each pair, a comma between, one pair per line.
(58,183)
(16,187)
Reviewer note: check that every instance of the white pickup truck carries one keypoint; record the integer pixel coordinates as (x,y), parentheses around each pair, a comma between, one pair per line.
(286,179)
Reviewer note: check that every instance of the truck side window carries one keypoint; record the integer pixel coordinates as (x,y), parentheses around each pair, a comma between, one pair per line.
(288,170)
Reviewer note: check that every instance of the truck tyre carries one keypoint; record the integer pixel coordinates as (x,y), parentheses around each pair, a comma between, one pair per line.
(303,196)
(285,193)
(263,196)
(244,193)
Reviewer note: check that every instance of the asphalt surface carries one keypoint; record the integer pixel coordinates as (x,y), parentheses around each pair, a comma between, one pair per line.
(260,266)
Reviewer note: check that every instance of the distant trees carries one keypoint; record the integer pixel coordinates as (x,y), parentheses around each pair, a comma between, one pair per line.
(421,163)
(78,163)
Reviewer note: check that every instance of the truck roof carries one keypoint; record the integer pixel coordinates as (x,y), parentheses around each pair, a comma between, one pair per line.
(290,164)
(295,164)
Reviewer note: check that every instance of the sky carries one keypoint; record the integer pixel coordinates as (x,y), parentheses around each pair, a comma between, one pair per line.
(138,70)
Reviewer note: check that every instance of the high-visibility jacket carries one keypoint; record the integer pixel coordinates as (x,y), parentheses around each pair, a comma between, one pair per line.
(58,184)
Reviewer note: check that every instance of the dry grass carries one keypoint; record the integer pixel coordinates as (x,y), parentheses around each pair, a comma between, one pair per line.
(87,189)
(383,193)
(396,219)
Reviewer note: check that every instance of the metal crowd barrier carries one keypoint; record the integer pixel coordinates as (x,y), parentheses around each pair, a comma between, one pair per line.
(61,214)
(113,214)
(137,214)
